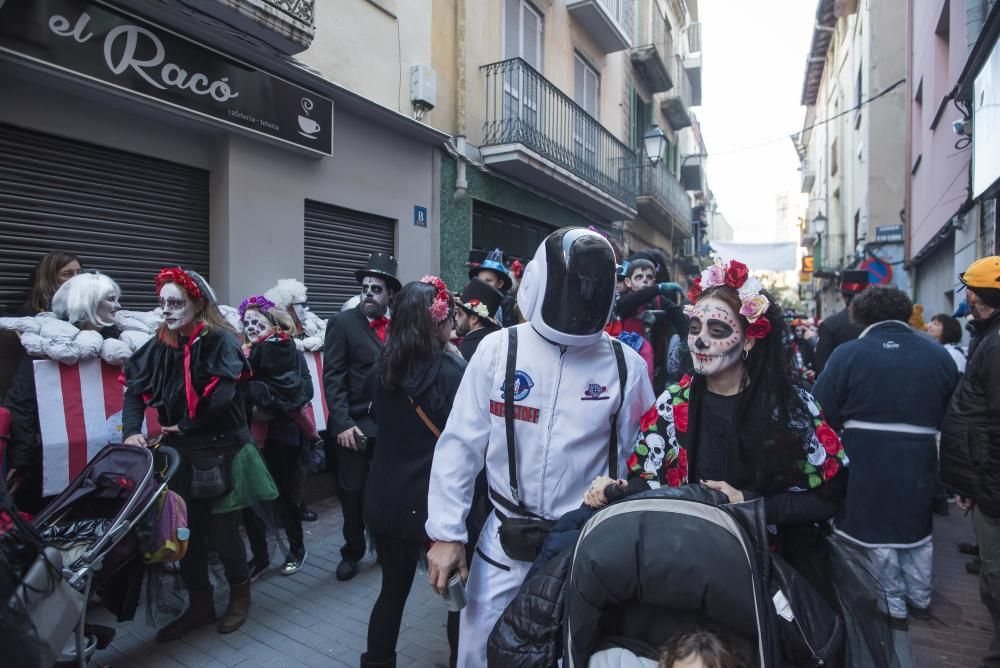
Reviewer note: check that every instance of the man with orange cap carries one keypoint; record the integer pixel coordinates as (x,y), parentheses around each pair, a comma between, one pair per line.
(970,435)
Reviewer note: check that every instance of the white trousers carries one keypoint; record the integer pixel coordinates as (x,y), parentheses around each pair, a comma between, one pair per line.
(493,583)
(904,575)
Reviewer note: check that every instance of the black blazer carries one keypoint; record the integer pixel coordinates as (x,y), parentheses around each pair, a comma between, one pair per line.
(351,349)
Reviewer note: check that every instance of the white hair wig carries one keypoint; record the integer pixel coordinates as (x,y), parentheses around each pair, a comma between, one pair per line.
(77,300)
(288,291)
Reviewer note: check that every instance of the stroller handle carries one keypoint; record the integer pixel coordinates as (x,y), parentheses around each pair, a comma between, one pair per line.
(173,460)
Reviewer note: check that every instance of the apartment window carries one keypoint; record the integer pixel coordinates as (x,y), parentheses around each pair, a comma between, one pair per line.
(586,93)
(672,157)
(834,158)
(522,32)
(522,38)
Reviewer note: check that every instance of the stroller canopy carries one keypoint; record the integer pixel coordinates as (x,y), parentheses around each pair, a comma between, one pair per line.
(662,563)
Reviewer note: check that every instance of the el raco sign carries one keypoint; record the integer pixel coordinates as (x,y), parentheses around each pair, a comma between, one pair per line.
(98,43)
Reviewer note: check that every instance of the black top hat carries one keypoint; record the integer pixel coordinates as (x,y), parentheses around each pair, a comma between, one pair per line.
(476,258)
(494,261)
(852,282)
(381,265)
(481,299)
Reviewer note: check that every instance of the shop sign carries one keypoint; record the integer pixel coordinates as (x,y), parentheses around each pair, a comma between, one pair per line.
(889,233)
(807,264)
(93,41)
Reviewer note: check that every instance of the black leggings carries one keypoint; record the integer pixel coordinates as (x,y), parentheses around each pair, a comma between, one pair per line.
(283,463)
(221,531)
(399,564)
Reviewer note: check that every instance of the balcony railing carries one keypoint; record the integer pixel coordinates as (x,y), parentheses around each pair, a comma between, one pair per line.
(693,32)
(658,184)
(524,107)
(286,25)
(653,61)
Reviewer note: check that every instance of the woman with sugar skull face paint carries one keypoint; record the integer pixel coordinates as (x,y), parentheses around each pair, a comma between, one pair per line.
(738,424)
(279,391)
(192,374)
(89,301)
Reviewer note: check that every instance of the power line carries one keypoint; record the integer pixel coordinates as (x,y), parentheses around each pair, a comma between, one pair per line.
(817,124)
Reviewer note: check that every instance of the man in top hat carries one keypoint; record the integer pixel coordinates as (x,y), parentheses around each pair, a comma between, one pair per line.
(477,316)
(354,340)
(839,328)
(970,435)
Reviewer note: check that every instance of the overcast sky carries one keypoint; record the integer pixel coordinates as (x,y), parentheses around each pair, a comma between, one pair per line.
(754,56)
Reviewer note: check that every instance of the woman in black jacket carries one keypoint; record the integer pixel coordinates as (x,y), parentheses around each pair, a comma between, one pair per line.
(191,373)
(416,381)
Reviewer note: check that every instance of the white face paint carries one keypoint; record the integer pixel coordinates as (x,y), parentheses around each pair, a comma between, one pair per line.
(107,307)
(715,337)
(256,326)
(178,309)
(374,296)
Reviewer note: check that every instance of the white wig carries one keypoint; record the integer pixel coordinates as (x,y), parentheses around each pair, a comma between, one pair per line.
(77,299)
(288,291)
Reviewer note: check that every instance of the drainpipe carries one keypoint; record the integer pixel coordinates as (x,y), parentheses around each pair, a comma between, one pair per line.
(461,184)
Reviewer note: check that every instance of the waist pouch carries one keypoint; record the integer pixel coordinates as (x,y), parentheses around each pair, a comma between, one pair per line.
(209,475)
(522,537)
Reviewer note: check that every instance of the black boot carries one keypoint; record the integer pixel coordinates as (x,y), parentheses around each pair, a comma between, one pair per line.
(387,663)
(200,611)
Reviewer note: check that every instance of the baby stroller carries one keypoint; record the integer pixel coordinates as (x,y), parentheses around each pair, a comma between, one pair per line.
(90,534)
(658,564)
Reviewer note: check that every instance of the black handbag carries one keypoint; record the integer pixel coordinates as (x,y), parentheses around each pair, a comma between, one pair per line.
(811,633)
(523,533)
(209,475)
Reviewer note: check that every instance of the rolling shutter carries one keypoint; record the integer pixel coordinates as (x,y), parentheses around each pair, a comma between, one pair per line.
(338,242)
(124,214)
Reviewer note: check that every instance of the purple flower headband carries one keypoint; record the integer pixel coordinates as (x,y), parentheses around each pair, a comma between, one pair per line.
(259,302)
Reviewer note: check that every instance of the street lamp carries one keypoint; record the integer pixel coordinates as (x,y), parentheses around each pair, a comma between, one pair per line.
(654,141)
(819,224)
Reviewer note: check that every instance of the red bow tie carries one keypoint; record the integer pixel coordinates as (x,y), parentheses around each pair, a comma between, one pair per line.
(381,327)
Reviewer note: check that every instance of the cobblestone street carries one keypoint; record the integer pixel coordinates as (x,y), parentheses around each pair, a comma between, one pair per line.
(311,619)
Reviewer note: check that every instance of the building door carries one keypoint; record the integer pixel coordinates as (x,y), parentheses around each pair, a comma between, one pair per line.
(586,93)
(518,236)
(338,242)
(124,214)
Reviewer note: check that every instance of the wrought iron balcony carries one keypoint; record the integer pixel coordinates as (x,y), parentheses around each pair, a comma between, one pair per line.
(652,62)
(609,22)
(662,200)
(530,122)
(676,105)
(286,25)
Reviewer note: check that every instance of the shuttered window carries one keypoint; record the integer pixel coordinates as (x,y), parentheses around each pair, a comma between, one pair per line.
(338,242)
(124,214)
(586,93)
(523,32)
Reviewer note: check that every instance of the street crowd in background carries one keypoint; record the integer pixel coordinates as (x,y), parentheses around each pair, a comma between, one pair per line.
(476,434)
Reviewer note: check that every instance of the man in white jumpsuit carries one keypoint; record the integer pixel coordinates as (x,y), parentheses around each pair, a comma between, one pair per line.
(566,397)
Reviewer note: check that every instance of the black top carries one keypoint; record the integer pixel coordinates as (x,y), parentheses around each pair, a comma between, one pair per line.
(472,340)
(719,454)
(281,380)
(155,377)
(396,491)
(350,351)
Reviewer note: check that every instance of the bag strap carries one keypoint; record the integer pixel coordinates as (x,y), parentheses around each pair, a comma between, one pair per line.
(508,413)
(426,420)
(622,380)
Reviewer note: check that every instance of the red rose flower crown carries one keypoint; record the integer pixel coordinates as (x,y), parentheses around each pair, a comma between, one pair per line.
(736,275)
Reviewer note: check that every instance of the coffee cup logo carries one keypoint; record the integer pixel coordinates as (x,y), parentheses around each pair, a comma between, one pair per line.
(308,128)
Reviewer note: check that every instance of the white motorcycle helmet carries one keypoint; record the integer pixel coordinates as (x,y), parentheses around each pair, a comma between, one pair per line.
(567,292)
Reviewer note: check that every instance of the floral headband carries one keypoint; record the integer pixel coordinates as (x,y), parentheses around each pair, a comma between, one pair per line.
(517,268)
(259,302)
(735,275)
(181,278)
(442,300)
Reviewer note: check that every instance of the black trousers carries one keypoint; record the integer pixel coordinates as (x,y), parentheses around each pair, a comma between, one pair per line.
(283,462)
(352,474)
(398,559)
(221,532)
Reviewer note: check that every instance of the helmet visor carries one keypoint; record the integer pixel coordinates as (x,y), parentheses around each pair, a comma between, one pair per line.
(580,286)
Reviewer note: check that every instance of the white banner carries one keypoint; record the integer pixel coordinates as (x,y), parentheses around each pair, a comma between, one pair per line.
(770,256)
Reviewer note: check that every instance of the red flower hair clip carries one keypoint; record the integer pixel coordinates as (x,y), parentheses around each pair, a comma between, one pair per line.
(181,278)
(442,300)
